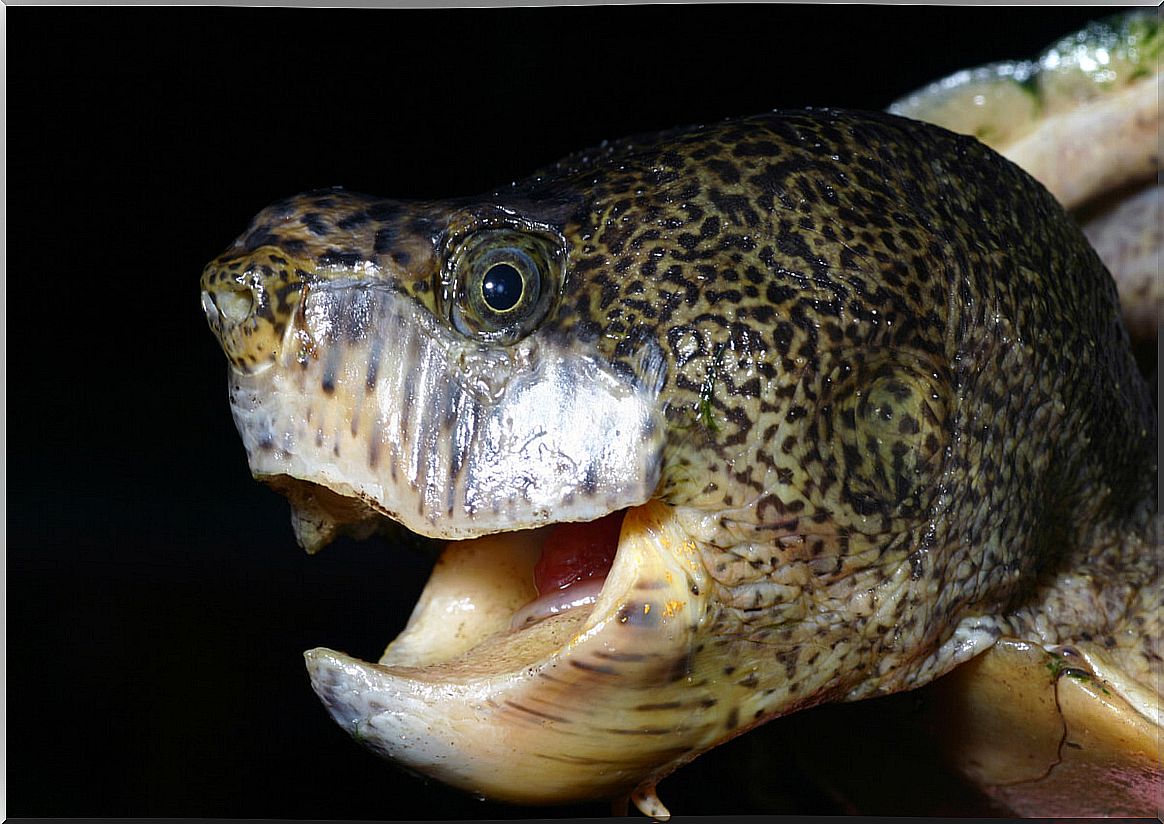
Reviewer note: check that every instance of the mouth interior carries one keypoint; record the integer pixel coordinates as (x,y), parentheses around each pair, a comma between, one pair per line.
(572,568)
(503,600)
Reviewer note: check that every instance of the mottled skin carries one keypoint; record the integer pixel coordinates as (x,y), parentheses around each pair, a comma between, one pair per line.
(900,399)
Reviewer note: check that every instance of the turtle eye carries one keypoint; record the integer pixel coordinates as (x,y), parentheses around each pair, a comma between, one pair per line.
(501,284)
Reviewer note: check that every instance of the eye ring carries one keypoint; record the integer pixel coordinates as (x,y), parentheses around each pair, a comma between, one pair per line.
(501,283)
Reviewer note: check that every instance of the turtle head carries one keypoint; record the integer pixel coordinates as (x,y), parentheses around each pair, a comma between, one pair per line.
(416,361)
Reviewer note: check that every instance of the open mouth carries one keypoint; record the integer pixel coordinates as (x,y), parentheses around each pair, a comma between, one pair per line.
(542,666)
(525,589)
(542,663)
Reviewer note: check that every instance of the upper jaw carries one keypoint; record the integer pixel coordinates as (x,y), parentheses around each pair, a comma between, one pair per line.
(449,438)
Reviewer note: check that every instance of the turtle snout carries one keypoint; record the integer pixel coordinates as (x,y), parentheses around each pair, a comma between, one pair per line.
(248,302)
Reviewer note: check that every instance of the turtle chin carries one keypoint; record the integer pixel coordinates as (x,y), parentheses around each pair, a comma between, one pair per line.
(597,696)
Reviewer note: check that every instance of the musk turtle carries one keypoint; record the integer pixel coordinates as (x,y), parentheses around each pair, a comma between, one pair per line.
(720,424)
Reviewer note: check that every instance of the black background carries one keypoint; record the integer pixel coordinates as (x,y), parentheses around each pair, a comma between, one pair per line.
(157,604)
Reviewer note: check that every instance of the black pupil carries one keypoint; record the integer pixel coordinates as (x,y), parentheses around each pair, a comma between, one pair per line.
(502,287)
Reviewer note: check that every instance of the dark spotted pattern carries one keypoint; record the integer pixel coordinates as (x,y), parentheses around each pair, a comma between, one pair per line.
(891,361)
(882,337)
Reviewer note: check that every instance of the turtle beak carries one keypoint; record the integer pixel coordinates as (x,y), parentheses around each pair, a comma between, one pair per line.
(588,703)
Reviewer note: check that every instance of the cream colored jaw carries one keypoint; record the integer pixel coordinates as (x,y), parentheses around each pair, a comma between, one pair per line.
(594,702)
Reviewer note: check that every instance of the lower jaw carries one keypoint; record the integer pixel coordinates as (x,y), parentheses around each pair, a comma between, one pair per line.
(595,701)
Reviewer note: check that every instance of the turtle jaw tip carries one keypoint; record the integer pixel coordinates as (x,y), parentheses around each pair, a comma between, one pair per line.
(386,712)
(337,679)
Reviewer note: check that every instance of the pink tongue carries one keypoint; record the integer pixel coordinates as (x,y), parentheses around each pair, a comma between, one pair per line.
(577,552)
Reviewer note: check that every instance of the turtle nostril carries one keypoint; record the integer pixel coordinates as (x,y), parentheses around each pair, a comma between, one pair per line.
(235,305)
(208,307)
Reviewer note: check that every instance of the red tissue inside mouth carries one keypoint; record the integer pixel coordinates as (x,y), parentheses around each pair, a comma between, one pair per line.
(578,552)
